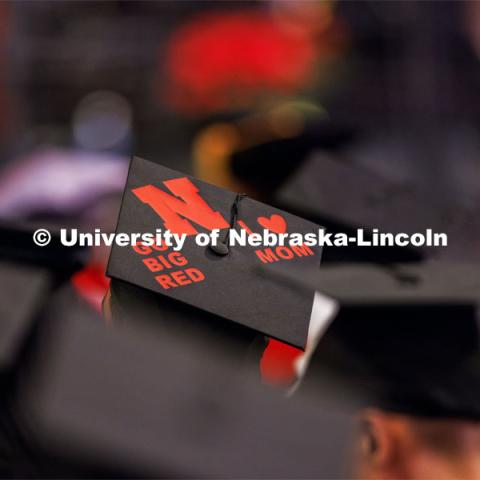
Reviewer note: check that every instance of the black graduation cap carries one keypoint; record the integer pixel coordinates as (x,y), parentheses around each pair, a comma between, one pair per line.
(344,196)
(28,274)
(265,166)
(197,281)
(406,338)
(351,195)
(23,293)
(16,244)
(127,402)
(263,149)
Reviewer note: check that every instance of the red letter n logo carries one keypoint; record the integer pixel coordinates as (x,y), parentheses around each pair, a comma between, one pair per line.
(171,209)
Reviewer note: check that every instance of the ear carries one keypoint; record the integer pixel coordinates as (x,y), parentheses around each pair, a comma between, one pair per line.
(376,440)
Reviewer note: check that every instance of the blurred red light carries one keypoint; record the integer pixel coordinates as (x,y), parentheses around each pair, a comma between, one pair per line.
(227,60)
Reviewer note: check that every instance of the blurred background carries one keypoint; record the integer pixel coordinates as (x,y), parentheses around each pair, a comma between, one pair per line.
(393,86)
(243,95)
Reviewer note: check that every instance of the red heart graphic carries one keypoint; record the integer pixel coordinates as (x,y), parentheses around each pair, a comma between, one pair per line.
(275,223)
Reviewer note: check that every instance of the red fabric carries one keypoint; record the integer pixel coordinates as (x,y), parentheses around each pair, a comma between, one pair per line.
(91,284)
(277,363)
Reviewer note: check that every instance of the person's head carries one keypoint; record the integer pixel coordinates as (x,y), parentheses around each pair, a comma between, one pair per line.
(399,446)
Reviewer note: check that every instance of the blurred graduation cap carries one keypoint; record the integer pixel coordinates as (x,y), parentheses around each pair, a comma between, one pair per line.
(202,285)
(266,165)
(258,152)
(28,273)
(344,197)
(23,291)
(17,245)
(96,400)
(405,338)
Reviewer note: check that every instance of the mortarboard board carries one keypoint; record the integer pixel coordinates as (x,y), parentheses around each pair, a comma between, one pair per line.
(342,196)
(406,338)
(216,286)
(133,404)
